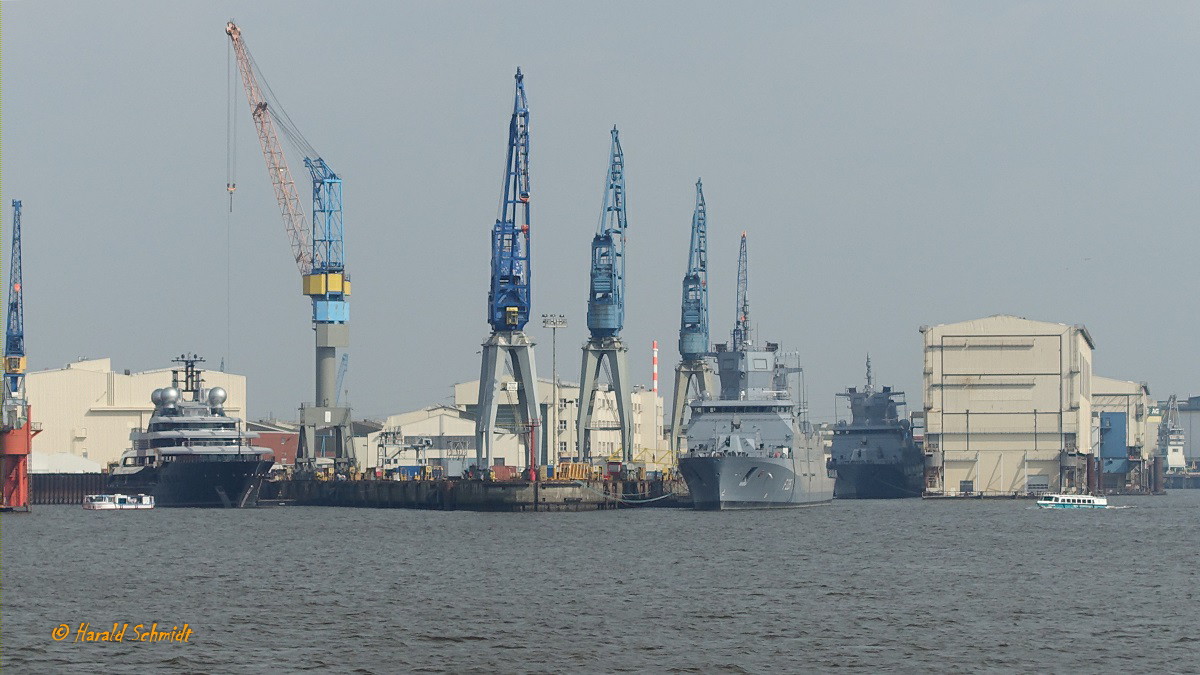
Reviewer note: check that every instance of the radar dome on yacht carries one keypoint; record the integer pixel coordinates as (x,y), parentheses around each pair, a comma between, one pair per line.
(217,396)
(170,396)
(156,397)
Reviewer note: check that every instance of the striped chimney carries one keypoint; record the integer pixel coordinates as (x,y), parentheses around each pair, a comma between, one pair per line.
(654,372)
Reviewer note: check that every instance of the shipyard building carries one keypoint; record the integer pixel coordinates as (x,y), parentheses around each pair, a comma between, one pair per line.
(1012,407)
(444,435)
(1126,436)
(1007,406)
(88,410)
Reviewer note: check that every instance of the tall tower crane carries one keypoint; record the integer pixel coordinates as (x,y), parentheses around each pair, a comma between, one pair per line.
(508,303)
(606,310)
(319,254)
(16,430)
(693,369)
(741,328)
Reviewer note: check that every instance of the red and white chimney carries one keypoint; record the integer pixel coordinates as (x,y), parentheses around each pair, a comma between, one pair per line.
(654,372)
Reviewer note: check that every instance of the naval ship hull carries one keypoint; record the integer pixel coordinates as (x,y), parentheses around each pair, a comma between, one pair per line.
(878,481)
(223,484)
(734,482)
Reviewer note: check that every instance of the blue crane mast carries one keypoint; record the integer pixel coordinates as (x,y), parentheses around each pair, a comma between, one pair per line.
(741,327)
(693,324)
(328,240)
(508,304)
(508,299)
(606,310)
(14,334)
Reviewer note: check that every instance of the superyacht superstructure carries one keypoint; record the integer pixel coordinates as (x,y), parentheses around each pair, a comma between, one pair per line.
(192,453)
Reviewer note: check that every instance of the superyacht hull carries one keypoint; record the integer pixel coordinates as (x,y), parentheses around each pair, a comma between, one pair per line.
(878,481)
(223,484)
(734,482)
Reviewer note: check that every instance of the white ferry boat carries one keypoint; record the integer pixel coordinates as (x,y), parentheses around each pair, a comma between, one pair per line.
(117,502)
(1072,502)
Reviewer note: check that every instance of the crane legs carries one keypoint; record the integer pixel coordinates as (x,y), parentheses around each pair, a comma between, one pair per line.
(594,352)
(519,350)
(685,374)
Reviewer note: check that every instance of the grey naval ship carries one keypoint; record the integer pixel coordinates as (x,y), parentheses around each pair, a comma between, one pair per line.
(750,449)
(192,453)
(874,455)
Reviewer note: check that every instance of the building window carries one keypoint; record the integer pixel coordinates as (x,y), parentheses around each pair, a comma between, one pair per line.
(562,425)
(562,448)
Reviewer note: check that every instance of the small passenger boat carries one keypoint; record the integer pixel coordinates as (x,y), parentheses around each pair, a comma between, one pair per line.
(1072,502)
(117,502)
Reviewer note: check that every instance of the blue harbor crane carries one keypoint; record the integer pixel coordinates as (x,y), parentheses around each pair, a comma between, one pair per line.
(16,432)
(606,310)
(508,304)
(319,252)
(741,328)
(693,369)
(14,333)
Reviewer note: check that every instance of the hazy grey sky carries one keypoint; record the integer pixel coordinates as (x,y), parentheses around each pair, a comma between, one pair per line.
(896,164)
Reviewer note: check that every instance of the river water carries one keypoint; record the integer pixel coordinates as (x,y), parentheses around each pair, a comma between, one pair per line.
(853,586)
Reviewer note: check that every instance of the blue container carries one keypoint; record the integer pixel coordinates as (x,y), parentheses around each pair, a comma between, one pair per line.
(409,472)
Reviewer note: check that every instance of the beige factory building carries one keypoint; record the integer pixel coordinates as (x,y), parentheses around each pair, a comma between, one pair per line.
(1127,463)
(649,446)
(1133,400)
(1008,406)
(439,435)
(88,410)
(449,431)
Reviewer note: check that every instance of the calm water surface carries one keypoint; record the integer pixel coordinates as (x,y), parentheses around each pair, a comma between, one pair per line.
(855,586)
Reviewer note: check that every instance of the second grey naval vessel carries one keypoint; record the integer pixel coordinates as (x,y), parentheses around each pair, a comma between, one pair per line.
(875,455)
(752,447)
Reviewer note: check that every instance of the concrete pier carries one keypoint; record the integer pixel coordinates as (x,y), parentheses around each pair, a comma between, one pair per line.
(478,495)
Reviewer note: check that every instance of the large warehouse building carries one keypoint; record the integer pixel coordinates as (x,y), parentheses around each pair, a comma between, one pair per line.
(86,409)
(649,446)
(1008,406)
(1127,437)
(443,435)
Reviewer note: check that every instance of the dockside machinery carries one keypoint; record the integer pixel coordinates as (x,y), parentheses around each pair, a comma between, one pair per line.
(694,369)
(508,303)
(606,312)
(319,253)
(16,431)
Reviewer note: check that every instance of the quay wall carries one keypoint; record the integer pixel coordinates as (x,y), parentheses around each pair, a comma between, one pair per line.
(63,488)
(478,495)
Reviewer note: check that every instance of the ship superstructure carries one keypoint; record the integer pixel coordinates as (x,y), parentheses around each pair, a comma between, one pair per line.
(191,453)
